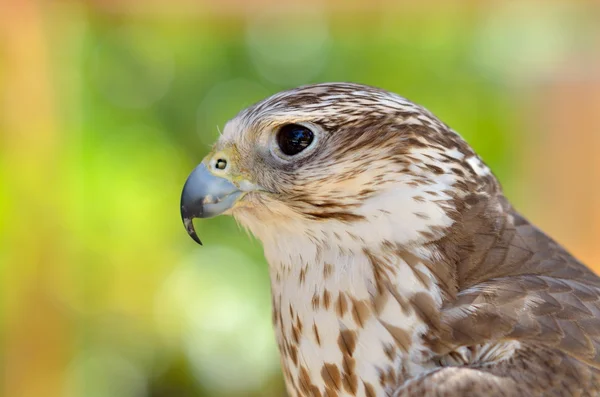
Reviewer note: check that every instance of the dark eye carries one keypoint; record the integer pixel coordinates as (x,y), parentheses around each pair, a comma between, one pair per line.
(294,138)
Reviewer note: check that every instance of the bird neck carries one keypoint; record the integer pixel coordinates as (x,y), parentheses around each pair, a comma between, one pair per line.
(355,319)
(348,322)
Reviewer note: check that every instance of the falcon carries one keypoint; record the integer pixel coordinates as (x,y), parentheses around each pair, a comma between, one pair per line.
(397,265)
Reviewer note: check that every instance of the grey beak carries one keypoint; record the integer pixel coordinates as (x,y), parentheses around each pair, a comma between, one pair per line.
(204,196)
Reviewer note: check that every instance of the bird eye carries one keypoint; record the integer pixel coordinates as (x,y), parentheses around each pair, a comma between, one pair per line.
(294,138)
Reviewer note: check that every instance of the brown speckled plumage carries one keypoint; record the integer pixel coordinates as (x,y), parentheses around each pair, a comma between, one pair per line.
(398,267)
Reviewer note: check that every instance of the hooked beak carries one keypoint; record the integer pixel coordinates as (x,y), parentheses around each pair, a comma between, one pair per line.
(206,195)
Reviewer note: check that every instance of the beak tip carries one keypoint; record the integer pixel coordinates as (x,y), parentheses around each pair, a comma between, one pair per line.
(196,239)
(189,227)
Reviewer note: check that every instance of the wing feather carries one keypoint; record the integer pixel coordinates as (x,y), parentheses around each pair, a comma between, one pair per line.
(524,375)
(515,285)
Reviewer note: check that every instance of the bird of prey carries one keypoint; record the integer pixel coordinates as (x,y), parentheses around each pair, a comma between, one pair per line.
(397,265)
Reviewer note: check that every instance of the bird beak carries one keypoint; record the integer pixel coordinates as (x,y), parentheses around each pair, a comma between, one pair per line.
(206,195)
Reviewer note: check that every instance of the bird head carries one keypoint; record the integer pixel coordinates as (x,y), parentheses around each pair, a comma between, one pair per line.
(336,162)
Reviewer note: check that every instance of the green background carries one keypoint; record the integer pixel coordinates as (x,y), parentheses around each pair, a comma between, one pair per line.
(108,106)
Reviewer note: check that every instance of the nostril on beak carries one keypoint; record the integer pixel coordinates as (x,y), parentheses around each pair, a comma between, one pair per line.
(221,164)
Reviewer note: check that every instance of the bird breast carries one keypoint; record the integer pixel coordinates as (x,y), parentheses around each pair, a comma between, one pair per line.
(345,324)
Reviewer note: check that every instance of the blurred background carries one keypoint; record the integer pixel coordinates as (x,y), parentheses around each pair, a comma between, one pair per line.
(106,106)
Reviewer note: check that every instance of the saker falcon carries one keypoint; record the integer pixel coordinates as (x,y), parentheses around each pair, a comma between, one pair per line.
(398,267)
